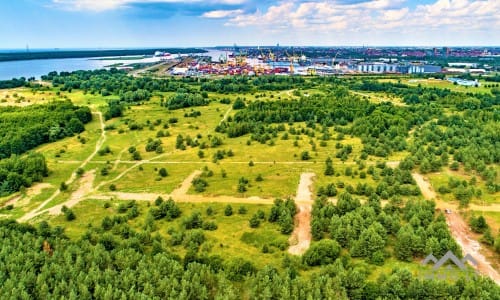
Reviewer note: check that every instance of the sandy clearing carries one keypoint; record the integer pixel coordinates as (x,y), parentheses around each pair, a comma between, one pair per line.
(393,164)
(37,188)
(424,185)
(301,235)
(459,229)
(461,233)
(73,176)
(304,192)
(185,185)
(84,188)
(12,201)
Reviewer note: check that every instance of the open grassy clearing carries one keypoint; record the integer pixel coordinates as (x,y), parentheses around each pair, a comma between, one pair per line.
(442,179)
(232,238)
(146,178)
(443,84)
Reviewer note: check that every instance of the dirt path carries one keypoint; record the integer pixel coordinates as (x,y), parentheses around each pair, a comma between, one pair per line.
(185,185)
(12,201)
(226,115)
(73,176)
(459,228)
(461,233)
(424,185)
(84,188)
(301,235)
(136,164)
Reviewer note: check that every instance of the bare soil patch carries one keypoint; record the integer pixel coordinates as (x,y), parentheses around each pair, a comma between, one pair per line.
(464,237)
(301,235)
(424,185)
(84,188)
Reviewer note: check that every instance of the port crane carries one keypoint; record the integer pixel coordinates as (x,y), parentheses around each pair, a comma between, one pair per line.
(334,58)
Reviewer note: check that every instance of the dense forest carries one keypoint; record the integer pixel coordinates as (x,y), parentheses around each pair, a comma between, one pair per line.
(17,172)
(13,83)
(366,226)
(23,129)
(115,262)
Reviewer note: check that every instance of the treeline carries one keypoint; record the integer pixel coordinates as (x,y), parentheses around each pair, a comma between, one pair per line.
(119,262)
(129,89)
(365,230)
(242,84)
(183,99)
(326,111)
(24,128)
(469,140)
(91,53)
(21,171)
(13,83)
(391,182)
(382,127)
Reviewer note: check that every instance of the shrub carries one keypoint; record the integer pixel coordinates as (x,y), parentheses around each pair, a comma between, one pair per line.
(228,211)
(321,253)
(163,172)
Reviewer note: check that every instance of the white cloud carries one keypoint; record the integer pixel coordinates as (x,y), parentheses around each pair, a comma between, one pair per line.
(219,14)
(342,17)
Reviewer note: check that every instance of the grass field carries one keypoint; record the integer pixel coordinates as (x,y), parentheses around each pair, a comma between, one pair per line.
(279,161)
(233,237)
(442,178)
(443,84)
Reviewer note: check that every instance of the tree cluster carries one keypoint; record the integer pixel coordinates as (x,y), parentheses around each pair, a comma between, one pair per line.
(25,128)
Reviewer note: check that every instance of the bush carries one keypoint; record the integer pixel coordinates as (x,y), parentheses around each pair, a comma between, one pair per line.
(63,187)
(242,210)
(478,225)
(305,155)
(209,225)
(254,221)
(199,184)
(321,253)
(228,211)
(112,187)
(163,172)
(79,172)
(239,104)
(68,213)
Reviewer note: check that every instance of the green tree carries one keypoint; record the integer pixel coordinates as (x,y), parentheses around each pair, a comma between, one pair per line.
(228,211)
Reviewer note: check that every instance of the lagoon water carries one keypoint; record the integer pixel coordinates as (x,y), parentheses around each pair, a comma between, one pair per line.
(38,67)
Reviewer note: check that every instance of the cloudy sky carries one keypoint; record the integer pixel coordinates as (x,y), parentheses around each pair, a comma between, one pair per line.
(154,23)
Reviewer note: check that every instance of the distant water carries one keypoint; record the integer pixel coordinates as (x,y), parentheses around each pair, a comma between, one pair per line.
(38,67)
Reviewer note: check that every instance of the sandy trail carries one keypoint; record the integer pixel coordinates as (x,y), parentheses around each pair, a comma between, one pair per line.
(84,188)
(12,201)
(185,185)
(461,233)
(459,229)
(73,176)
(180,194)
(424,185)
(301,235)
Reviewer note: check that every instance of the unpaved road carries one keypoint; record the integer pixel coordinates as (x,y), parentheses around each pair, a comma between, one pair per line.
(459,230)
(424,185)
(301,235)
(84,188)
(461,233)
(185,185)
(72,178)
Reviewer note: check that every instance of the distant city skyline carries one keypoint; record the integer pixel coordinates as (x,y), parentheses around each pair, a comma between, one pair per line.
(195,23)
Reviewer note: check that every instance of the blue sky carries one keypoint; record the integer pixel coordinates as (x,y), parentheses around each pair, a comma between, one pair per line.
(155,23)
